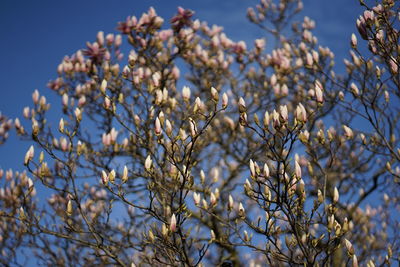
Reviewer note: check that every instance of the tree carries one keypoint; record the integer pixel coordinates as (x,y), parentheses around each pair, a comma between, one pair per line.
(197,150)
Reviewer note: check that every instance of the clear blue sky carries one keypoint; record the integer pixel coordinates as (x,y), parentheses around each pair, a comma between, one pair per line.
(37,34)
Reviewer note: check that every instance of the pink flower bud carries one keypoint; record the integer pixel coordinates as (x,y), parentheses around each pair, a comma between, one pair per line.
(35,96)
(196,198)
(394,68)
(148,163)
(252,168)
(213,199)
(61,125)
(353,40)
(78,114)
(284,113)
(186,93)
(157,127)
(118,40)
(348,132)
(297,170)
(26,112)
(354,89)
(172,225)
(100,38)
(104,177)
(224,100)
(65,100)
(214,94)
(242,211)
(242,105)
(266,170)
(301,114)
(335,195)
(29,155)
(318,92)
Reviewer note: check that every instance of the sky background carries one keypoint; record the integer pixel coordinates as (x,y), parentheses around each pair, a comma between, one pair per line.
(36,35)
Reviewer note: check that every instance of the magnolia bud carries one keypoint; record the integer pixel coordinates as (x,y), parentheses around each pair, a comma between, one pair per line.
(69,208)
(318,92)
(196,198)
(214,94)
(266,119)
(301,113)
(61,126)
(78,114)
(284,113)
(157,127)
(230,202)
(224,100)
(252,169)
(241,210)
(111,176)
(104,177)
(320,196)
(213,199)
(355,261)
(125,175)
(22,215)
(348,132)
(242,105)
(29,155)
(335,195)
(266,171)
(172,225)
(186,93)
(148,163)
(297,170)
(353,40)
(168,127)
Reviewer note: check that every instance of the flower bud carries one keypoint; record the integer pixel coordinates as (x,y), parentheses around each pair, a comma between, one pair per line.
(348,132)
(318,92)
(103,86)
(157,127)
(78,114)
(148,163)
(61,126)
(297,170)
(35,96)
(214,95)
(224,100)
(353,41)
(242,105)
(301,114)
(29,155)
(172,225)
(186,93)
(104,177)
(196,198)
(252,168)
(230,202)
(241,210)
(335,195)
(266,171)
(125,175)
(69,208)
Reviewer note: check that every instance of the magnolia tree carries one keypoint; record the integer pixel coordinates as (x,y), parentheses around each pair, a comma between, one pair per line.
(196,150)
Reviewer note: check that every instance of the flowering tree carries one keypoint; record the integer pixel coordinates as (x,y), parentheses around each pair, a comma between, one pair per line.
(195,150)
